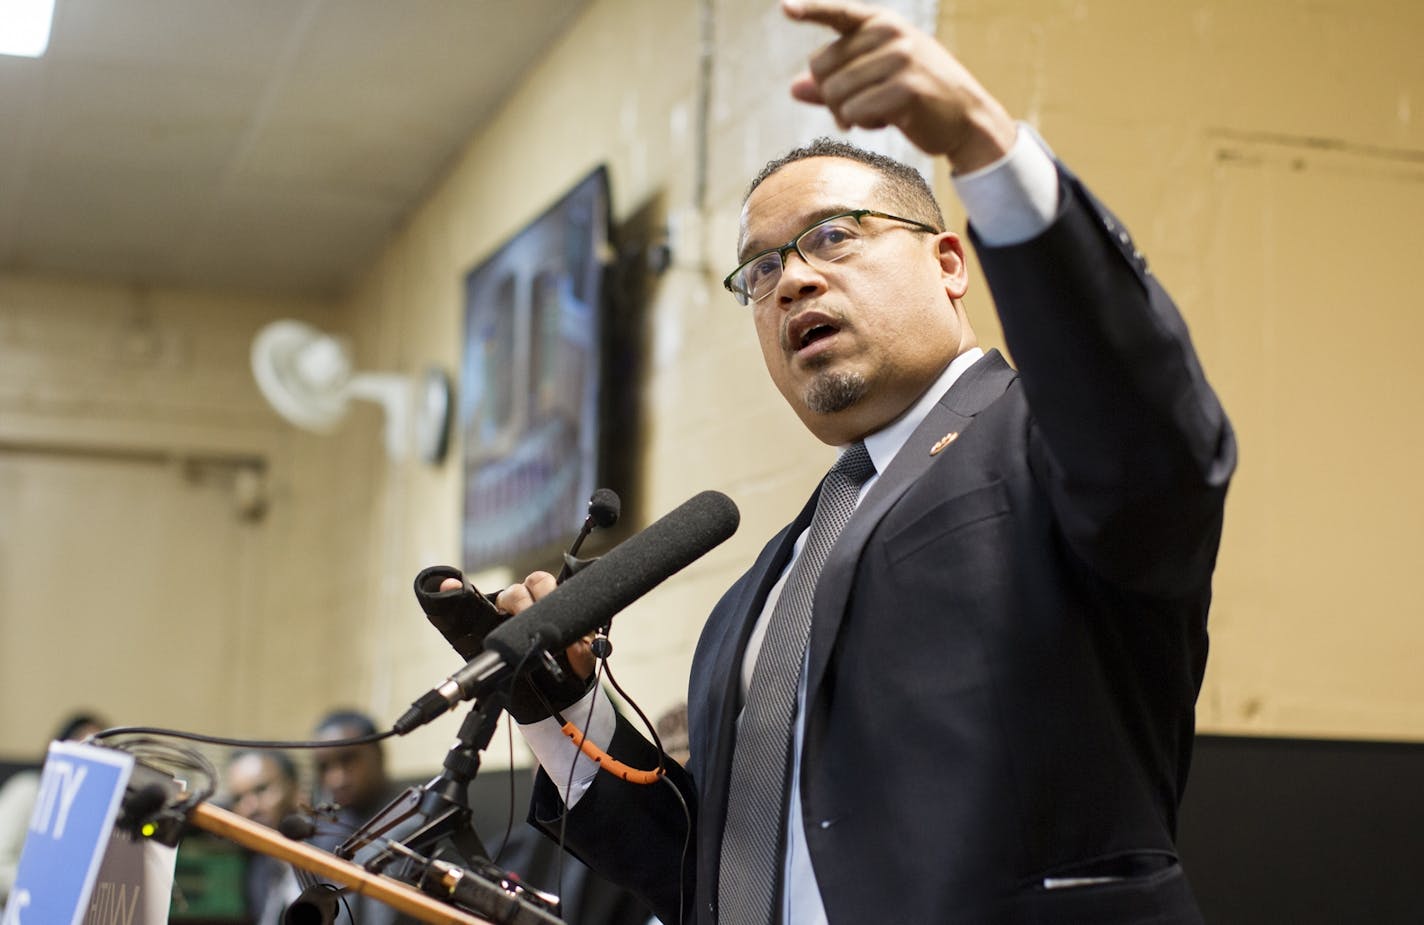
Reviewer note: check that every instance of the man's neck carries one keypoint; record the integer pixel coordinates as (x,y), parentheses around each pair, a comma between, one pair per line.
(886,442)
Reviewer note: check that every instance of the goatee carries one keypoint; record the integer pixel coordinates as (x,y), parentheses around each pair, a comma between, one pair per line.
(834,391)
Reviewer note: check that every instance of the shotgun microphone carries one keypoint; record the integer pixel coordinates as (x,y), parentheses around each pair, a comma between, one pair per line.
(464,616)
(588,600)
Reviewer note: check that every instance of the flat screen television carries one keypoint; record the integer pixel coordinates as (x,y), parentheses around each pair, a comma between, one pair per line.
(530,381)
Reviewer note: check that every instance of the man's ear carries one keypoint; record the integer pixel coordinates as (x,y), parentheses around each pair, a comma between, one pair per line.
(953,268)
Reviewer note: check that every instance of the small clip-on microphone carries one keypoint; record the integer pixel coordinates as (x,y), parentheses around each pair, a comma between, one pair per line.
(603,509)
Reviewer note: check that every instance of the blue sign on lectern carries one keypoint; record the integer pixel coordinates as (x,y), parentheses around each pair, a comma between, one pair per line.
(80,792)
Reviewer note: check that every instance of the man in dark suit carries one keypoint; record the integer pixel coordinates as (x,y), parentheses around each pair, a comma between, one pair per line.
(993,705)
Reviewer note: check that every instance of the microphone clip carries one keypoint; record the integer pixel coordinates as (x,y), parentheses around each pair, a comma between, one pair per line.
(601,646)
(573,565)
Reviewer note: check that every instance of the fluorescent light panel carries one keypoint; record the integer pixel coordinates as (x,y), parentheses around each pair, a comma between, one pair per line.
(24,27)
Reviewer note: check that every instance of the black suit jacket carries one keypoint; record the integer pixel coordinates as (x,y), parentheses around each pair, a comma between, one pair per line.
(1008,637)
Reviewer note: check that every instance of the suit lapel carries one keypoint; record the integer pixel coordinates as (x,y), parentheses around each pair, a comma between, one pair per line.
(979,385)
(737,614)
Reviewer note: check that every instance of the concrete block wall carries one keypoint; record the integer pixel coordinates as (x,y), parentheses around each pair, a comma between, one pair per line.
(1191,121)
(171,552)
(1268,157)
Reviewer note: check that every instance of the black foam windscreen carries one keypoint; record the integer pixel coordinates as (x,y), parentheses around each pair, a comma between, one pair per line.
(297,827)
(140,805)
(591,598)
(604,507)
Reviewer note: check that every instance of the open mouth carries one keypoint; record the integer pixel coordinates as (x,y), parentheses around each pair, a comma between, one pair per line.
(815,333)
(809,328)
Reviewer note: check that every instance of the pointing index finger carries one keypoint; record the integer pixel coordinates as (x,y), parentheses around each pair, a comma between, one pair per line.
(844,16)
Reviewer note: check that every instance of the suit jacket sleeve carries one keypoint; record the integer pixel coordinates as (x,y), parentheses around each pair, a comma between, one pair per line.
(637,836)
(1136,450)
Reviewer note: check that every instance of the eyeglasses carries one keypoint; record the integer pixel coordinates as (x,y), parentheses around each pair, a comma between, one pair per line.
(833,238)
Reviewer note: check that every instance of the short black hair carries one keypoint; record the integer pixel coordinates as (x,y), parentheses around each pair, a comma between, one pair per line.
(355,720)
(74,723)
(905,186)
(285,765)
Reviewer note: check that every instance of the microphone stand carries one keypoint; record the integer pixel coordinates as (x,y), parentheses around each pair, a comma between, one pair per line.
(435,821)
(422,902)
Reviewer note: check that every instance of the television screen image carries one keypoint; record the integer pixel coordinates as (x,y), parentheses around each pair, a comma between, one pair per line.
(529,396)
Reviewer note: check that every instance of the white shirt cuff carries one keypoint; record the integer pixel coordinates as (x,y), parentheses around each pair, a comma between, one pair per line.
(1016,197)
(557,752)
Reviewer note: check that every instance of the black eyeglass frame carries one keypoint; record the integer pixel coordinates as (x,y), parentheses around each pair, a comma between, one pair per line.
(745,298)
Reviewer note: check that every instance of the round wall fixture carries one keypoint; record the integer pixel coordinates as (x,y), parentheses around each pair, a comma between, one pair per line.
(306,376)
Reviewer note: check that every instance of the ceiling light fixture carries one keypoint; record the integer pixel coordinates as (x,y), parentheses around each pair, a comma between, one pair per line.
(24,27)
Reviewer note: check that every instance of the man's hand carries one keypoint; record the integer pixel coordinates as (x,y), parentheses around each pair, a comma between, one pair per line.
(883,71)
(577,660)
(519,597)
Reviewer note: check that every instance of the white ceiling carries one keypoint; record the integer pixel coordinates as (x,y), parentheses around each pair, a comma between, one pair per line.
(257,145)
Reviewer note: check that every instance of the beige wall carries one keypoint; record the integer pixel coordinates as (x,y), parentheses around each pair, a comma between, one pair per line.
(1268,156)
(135,575)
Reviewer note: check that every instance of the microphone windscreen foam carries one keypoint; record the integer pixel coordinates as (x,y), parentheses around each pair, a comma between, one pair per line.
(296,827)
(142,804)
(592,597)
(604,507)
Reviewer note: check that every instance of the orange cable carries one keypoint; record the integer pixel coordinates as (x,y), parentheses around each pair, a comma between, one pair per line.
(606,761)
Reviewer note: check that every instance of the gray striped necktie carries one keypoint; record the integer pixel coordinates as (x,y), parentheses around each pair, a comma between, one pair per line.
(753,842)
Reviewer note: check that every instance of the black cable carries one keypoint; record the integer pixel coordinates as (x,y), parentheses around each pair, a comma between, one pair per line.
(682,802)
(569,784)
(240,743)
(509,822)
(166,757)
(686,845)
(651,727)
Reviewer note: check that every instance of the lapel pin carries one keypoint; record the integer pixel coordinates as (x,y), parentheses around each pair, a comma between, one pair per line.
(944,441)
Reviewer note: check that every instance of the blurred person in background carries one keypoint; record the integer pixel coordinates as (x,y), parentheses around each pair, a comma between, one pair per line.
(353,777)
(17,800)
(263,788)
